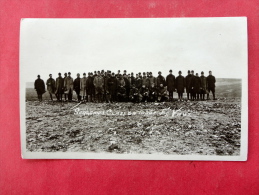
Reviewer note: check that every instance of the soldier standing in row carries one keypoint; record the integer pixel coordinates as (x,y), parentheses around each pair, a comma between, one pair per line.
(59,87)
(180,83)
(127,86)
(68,85)
(152,80)
(112,87)
(188,84)
(203,90)
(98,85)
(51,86)
(65,94)
(39,86)
(90,87)
(211,85)
(170,83)
(76,84)
(160,80)
(83,87)
(138,82)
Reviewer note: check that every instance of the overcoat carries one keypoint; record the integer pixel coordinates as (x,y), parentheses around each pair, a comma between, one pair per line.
(76,85)
(195,84)
(152,80)
(59,85)
(170,82)
(180,83)
(39,85)
(51,85)
(98,82)
(203,82)
(121,82)
(187,83)
(112,85)
(138,83)
(90,85)
(211,82)
(68,84)
(160,80)
(83,86)
(146,81)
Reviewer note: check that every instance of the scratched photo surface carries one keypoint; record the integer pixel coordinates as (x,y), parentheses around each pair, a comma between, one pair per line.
(179,120)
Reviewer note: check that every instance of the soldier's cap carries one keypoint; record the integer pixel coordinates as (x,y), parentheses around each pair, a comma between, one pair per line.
(132,73)
(102,70)
(113,73)
(84,73)
(125,71)
(108,71)
(150,72)
(180,71)
(144,73)
(170,71)
(98,71)
(210,71)
(38,75)
(91,73)
(59,73)
(119,71)
(202,72)
(69,72)
(189,71)
(159,72)
(77,74)
(192,71)
(65,73)
(50,74)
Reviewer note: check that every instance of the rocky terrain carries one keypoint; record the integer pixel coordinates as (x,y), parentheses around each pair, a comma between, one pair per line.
(205,127)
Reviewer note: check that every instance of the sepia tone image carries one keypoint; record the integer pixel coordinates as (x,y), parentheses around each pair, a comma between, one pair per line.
(161,88)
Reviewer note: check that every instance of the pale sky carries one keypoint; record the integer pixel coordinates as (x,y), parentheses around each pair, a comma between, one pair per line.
(136,45)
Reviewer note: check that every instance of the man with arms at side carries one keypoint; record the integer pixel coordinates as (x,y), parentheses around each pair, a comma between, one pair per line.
(39,86)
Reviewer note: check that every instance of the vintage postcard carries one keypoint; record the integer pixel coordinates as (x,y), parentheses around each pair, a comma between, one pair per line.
(134,88)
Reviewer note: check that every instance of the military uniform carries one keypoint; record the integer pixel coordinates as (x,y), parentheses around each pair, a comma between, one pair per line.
(39,86)
(211,85)
(77,88)
(170,83)
(59,87)
(180,83)
(68,85)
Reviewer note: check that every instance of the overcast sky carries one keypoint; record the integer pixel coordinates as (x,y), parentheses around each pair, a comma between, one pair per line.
(136,45)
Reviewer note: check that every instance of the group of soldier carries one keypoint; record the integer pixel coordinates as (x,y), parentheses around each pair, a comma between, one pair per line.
(102,86)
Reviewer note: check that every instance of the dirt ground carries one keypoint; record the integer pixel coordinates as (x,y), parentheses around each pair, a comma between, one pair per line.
(196,127)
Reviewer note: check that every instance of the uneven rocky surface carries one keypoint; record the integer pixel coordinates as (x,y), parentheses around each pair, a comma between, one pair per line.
(196,127)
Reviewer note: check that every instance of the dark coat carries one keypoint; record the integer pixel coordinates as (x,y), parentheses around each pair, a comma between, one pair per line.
(195,84)
(179,84)
(187,82)
(77,85)
(51,85)
(203,82)
(146,81)
(39,85)
(112,85)
(138,83)
(90,85)
(170,82)
(211,82)
(127,83)
(132,80)
(152,80)
(59,85)
(160,80)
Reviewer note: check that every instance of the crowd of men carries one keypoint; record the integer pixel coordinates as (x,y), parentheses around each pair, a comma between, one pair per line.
(102,86)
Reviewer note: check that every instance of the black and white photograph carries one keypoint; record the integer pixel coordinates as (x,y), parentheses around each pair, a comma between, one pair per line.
(134,88)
